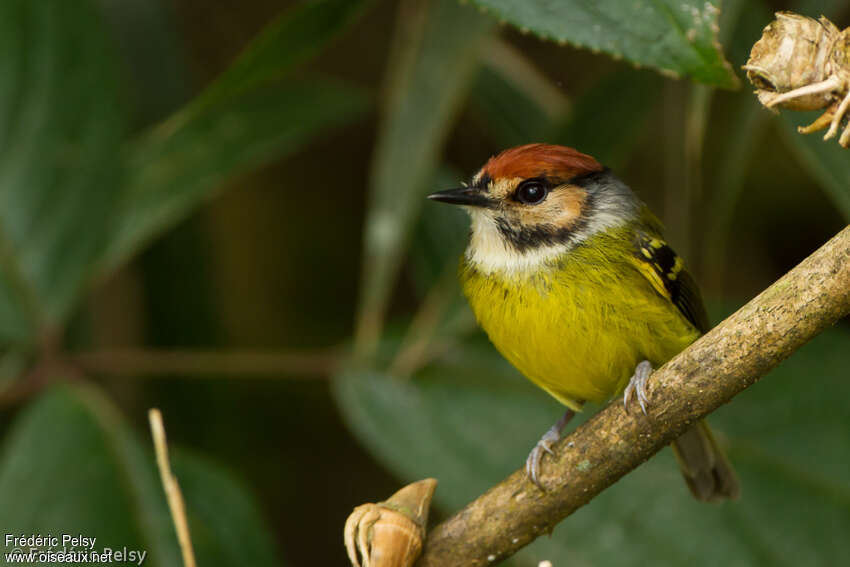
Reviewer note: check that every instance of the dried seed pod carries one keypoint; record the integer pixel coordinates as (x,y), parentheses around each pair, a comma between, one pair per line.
(390,533)
(804,64)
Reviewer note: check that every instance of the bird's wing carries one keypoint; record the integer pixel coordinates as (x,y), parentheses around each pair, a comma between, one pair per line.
(666,272)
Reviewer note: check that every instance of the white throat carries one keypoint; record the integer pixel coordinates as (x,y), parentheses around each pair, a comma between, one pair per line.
(489,252)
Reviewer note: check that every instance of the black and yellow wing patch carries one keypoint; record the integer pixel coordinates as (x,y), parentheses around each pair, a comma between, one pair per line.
(666,272)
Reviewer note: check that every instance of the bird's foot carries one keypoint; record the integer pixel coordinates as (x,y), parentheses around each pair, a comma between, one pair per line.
(532,463)
(637,385)
(553,435)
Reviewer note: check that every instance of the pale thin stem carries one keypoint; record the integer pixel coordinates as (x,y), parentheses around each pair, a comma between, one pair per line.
(836,118)
(830,84)
(844,140)
(172,489)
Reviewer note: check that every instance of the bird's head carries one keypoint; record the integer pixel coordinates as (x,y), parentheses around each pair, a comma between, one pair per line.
(532,203)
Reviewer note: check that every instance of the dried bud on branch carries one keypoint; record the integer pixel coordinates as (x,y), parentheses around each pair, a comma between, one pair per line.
(390,533)
(804,64)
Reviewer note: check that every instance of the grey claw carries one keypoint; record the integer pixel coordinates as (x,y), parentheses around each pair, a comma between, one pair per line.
(532,463)
(637,384)
(532,466)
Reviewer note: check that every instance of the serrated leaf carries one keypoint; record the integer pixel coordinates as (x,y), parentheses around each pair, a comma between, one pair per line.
(60,121)
(677,37)
(438,50)
(471,420)
(70,465)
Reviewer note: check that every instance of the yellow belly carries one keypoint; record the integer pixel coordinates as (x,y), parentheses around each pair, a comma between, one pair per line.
(579,329)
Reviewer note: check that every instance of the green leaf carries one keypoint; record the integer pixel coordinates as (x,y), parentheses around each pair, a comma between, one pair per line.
(438,47)
(223,517)
(178,165)
(247,116)
(827,162)
(293,37)
(677,37)
(471,420)
(61,119)
(70,465)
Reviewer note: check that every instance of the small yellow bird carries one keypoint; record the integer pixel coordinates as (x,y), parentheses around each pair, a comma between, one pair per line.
(568,273)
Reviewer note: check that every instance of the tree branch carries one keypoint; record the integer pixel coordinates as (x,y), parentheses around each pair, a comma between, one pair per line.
(721,364)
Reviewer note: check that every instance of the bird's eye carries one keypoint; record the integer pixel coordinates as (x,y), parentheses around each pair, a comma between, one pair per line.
(531,192)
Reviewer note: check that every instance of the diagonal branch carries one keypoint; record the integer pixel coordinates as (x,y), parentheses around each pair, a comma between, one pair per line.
(724,362)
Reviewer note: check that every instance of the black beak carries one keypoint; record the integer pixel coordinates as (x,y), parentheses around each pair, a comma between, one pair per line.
(469,196)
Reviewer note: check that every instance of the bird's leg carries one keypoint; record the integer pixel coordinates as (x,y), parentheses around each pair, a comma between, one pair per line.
(532,463)
(836,119)
(637,384)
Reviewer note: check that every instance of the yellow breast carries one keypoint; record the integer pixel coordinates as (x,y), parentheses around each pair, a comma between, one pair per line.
(578,327)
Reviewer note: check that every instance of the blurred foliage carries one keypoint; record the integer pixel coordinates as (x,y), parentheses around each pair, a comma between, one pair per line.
(105,243)
(110,487)
(62,124)
(436,51)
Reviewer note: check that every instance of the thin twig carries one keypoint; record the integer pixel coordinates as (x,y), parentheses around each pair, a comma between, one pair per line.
(142,361)
(724,362)
(172,489)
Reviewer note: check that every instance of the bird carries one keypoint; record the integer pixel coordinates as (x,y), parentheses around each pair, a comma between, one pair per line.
(568,273)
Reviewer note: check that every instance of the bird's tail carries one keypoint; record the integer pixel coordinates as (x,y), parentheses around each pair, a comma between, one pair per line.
(704,465)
